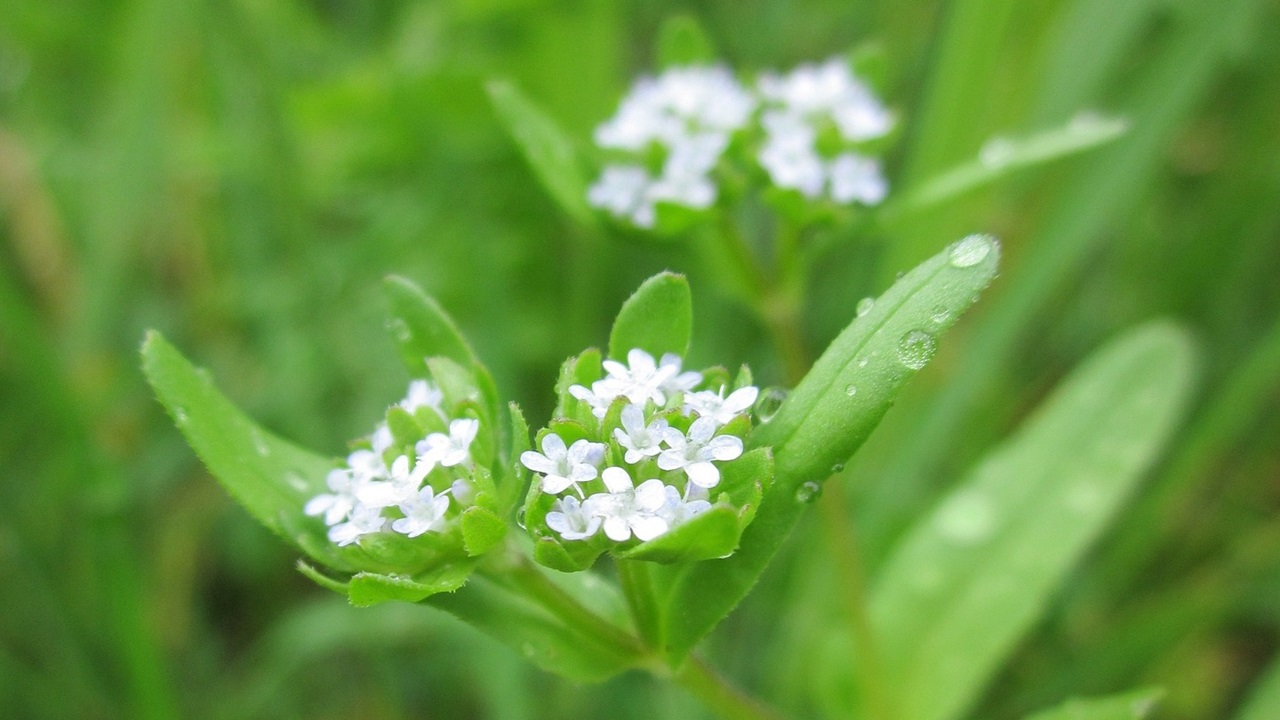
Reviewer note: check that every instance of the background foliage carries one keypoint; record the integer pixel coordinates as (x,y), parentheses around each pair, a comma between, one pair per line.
(242,173)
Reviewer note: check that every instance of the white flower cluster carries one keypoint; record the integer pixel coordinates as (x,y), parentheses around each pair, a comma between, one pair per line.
(368,492)
(687,116)
(798,108)
(680,466)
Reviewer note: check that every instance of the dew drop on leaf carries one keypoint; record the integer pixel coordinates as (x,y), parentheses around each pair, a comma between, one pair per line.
(864,306)
(966,518)
(808,492)
(837,468)
(851,390)
(940,315)
(180,415)
(862,362)
(260,443)
(770,400)
(399,330)
(916,349)
(520,519)
(970,251)
(528,650)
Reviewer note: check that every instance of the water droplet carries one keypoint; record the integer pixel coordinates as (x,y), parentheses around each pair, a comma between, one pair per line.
(837,468)
(864,306)
(862,362)
(808,492)
(966,518)
(180,415)
(916,349)
(940,315)
(770,401)
(997,152)
(296,481)
(520,519)
(970,251)
(528,650)
(850,390)
(260,443)
(399,330)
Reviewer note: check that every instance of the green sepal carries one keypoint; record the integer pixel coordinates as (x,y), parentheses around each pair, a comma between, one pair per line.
(657,318)
(743,379)
(582,369)
(366,589)
(482,530)
(682,41)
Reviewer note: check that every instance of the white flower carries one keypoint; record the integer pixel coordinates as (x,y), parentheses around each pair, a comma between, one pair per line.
(676,510)
(452,449)
(640,441)
(640,380)
(400,486)
(676,381)
(422,512)
(563,467)
(599,403)
(623,190)
(364,520)
(336,506)
(422,394)
(717,407)
(790,155)
(679,102)
(855,177)
(627,509)
(381,440)
(367,465)
(696,453)
(463,491)
(570,520)
(830,90)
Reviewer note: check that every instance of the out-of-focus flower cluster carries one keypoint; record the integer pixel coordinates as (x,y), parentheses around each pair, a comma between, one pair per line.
(672,131)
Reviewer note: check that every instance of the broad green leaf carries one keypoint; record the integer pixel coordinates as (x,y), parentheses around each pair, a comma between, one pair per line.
(712,534)
(569,649)
(972,577)
(1263,702)
(269,477)
(1134,705)
(367,588)
(682,41)
(657,318)
(1001,156)
(422,329)
(482,530)
(546,147)
(824,420)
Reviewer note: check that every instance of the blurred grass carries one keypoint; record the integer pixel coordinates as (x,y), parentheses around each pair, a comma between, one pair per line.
(241,174)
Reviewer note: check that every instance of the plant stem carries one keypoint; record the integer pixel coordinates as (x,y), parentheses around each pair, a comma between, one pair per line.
(852,579)
(718,694)
(637,588)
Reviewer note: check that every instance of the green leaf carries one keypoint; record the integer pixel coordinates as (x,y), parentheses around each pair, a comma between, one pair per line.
(367,588)
(269,477)
(1134,705)
(971,578)
(821,424)
(422,329)
(682,41)
(1263,701)
(482,530)
(712,534)
(1002,156)
(546,147)
(657,318)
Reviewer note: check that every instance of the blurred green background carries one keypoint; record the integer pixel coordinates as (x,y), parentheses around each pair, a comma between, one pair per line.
(240,174)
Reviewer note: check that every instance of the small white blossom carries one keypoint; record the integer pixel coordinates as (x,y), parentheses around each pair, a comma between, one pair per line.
(676,381)
(599,403)
(563,467)
(627,509)
(367,465)
(677,510)
(717,407)
(569,518)
(855,177)
(401,485)
(364,521)
(640,441)
(335,506)
(640,380)
(462,491)
(454,448)
(422,394)
(422,512)
(696,453)
(679,102)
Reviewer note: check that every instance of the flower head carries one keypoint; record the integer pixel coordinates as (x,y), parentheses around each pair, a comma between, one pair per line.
(640,440)
(363,521)
(422,512)
(563,467)
(452,449)
(570,519)
(697,453)
(626,509)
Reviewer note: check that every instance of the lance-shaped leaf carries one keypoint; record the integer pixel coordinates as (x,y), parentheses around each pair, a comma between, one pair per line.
(657,318)
(972,577)
(366,589)
(1134,705)
(546,147)
(824,420)
(268,476)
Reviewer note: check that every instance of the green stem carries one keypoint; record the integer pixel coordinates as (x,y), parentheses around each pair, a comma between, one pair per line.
(852,580)
(637,587)
(718,694)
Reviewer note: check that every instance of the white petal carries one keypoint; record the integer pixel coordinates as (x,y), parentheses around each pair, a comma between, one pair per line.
(553,447)
(671,459)
(646,527)
(616,528)
(463,431)
(724,447)
(554,484)
(616,479)
(582,472)
(641,362)
(633,419)
(537,462)
(741,399)
(651,495)
(703,474)
(702,430)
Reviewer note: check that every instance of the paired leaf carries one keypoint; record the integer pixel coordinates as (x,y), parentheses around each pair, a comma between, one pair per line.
(271,478)
(1134,705)
(822,423)
(657,318)
(546,147)
(971,578)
